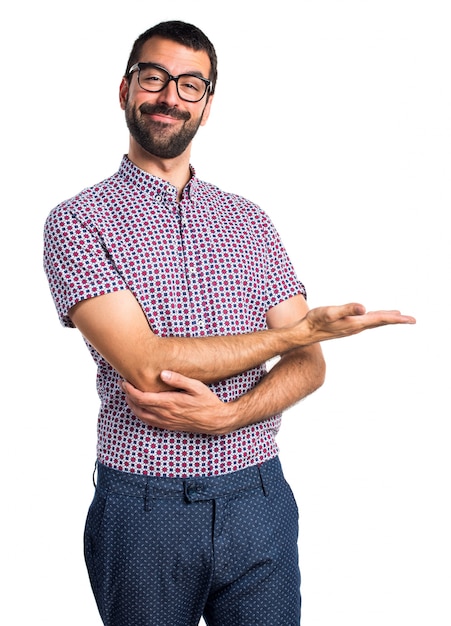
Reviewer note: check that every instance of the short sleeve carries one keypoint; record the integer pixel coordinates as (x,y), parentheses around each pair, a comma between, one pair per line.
(76,262)
(282,280)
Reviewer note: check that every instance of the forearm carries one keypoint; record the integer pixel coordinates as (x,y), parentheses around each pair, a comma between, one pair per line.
(117,328)
(199,410)
(297,374)
(210,359)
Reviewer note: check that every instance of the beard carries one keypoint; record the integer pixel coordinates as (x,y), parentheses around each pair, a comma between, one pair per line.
(158,138)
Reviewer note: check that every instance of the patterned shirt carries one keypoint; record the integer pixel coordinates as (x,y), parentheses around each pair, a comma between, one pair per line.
(211,264)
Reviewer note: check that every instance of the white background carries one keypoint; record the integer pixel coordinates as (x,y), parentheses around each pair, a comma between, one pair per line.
(350,155)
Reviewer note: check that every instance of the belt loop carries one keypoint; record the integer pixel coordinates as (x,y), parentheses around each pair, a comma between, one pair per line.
(262,479)
(186,491)
(147,498)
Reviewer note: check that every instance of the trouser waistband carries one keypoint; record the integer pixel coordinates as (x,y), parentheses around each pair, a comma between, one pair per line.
(193,488)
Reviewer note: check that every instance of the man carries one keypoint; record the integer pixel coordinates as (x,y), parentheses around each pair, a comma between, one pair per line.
(182,293)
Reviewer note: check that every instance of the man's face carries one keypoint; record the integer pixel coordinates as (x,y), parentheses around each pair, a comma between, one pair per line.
(162,123)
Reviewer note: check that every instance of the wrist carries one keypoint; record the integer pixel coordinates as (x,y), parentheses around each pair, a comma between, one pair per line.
(230,417)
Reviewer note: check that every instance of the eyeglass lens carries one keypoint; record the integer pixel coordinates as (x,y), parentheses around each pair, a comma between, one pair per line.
(189,87)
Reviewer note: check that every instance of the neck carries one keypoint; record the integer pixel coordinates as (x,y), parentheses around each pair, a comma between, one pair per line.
(176,171)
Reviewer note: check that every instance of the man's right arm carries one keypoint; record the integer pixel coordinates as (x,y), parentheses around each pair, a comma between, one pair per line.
(115,325)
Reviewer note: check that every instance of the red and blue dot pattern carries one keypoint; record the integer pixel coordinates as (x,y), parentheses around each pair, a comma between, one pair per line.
(212,264)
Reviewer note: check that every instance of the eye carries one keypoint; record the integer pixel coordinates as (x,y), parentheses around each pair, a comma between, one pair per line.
(190,86)
(151,77)
(191,83)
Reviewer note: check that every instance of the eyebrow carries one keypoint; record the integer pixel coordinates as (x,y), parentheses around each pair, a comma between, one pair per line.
(188,72)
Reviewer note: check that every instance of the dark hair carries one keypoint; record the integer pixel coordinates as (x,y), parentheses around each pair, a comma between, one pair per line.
(182,33)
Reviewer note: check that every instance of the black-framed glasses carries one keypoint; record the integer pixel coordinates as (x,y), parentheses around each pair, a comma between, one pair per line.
(154,78)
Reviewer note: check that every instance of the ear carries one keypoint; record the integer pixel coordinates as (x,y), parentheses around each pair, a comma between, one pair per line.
(123,93)
(206,111)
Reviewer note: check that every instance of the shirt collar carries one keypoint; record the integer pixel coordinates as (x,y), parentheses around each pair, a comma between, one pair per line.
(152,184)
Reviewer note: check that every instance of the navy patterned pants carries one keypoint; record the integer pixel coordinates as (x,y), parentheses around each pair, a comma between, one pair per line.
(166,551)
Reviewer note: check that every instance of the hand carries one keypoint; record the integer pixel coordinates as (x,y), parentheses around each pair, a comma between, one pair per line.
(191,407)
(333,322)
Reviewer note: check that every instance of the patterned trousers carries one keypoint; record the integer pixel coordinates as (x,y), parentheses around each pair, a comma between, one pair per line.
(167,551)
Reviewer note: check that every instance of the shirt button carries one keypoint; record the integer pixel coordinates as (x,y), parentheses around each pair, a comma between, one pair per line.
(159,198)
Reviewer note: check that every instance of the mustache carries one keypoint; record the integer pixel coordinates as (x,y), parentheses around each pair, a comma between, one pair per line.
(153,109)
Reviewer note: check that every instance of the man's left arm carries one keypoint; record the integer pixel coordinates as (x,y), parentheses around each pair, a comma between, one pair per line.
(297,374)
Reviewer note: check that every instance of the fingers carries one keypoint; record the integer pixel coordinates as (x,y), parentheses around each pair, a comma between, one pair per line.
(390,317)
(127,387)
(178,381)
(171,379)
(329,314)
(136,398)
(354,308)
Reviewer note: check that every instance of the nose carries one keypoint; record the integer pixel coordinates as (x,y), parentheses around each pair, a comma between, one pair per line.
(169,94)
